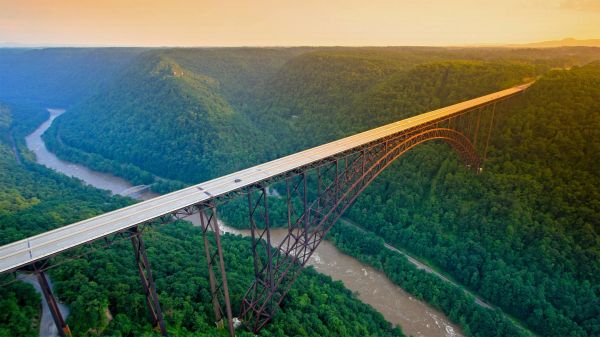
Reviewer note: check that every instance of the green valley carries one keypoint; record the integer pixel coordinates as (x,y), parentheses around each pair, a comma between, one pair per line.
(524,234)
(35,199)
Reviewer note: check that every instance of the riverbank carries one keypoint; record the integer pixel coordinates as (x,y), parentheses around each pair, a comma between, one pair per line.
(104,181)
(422,266)
(372,287)
(425,267)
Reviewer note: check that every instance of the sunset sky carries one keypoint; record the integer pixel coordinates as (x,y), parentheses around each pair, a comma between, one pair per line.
(285,23)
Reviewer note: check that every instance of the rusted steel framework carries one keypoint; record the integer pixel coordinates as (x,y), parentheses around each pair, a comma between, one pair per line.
(216,266)
(262,252)
(316,196)
(335,185)
(57,317)
(143,266)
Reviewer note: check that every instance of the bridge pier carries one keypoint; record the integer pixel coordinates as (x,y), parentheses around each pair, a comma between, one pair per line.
(261,250)
(489,133)
(59,321)
(147,281)
(216,264)
(276,273)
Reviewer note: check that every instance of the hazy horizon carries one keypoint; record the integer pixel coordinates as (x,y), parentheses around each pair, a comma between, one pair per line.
(8,44)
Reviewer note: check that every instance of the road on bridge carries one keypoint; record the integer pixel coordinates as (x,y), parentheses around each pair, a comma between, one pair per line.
(27,251)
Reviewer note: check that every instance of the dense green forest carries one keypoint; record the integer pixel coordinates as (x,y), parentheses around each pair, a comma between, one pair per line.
(474,319)
(158,97)
(219,110)
(524,234)
(430,204)
(103,290)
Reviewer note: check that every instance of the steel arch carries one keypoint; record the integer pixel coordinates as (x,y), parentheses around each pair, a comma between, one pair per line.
(261,299)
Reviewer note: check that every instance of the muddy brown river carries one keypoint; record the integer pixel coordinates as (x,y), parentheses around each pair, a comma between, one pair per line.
(415,317)
(374,288)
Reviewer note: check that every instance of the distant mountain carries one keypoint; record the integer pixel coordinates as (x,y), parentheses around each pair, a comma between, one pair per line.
(176,113)
(568,42)
(194,114)
(59,77)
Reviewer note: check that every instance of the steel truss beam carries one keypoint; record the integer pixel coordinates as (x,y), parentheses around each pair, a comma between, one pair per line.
(262,252)
(147,281)
(216,266)
(307,230)
(318,194)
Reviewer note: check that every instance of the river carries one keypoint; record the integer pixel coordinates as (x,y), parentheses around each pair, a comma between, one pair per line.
(415,317)
(374,288)
(105,181)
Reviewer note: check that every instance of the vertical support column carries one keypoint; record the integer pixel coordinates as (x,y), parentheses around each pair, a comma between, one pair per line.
(364,161)
(337,182)
(59,321)
(346,168)
(211,274)
(147,281)
(318,188)
(294,191)
(469,132)
(217,232)
(460,123)
(487,141)
(477,128)
(253,306)
(288,202)
(264,234)
(255,241)
(270,280)
(210,222)
(306,212)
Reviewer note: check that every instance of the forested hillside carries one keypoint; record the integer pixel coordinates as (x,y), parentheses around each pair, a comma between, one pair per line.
(159,106)
(524,234)
(237,70)
(212,111)
(103,290)
(333,102)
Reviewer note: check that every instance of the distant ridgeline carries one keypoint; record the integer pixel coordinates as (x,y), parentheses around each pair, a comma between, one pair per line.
(194,114)
(524,234)
(59,77)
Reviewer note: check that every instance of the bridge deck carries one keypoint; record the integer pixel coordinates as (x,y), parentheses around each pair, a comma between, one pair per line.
(29,250)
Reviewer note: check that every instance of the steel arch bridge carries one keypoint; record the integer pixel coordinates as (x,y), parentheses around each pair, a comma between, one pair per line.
(320,184)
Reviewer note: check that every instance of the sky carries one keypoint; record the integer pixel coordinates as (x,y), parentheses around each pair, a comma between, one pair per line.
(293,23)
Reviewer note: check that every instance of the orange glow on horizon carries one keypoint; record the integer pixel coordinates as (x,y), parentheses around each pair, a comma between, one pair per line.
(288,23)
